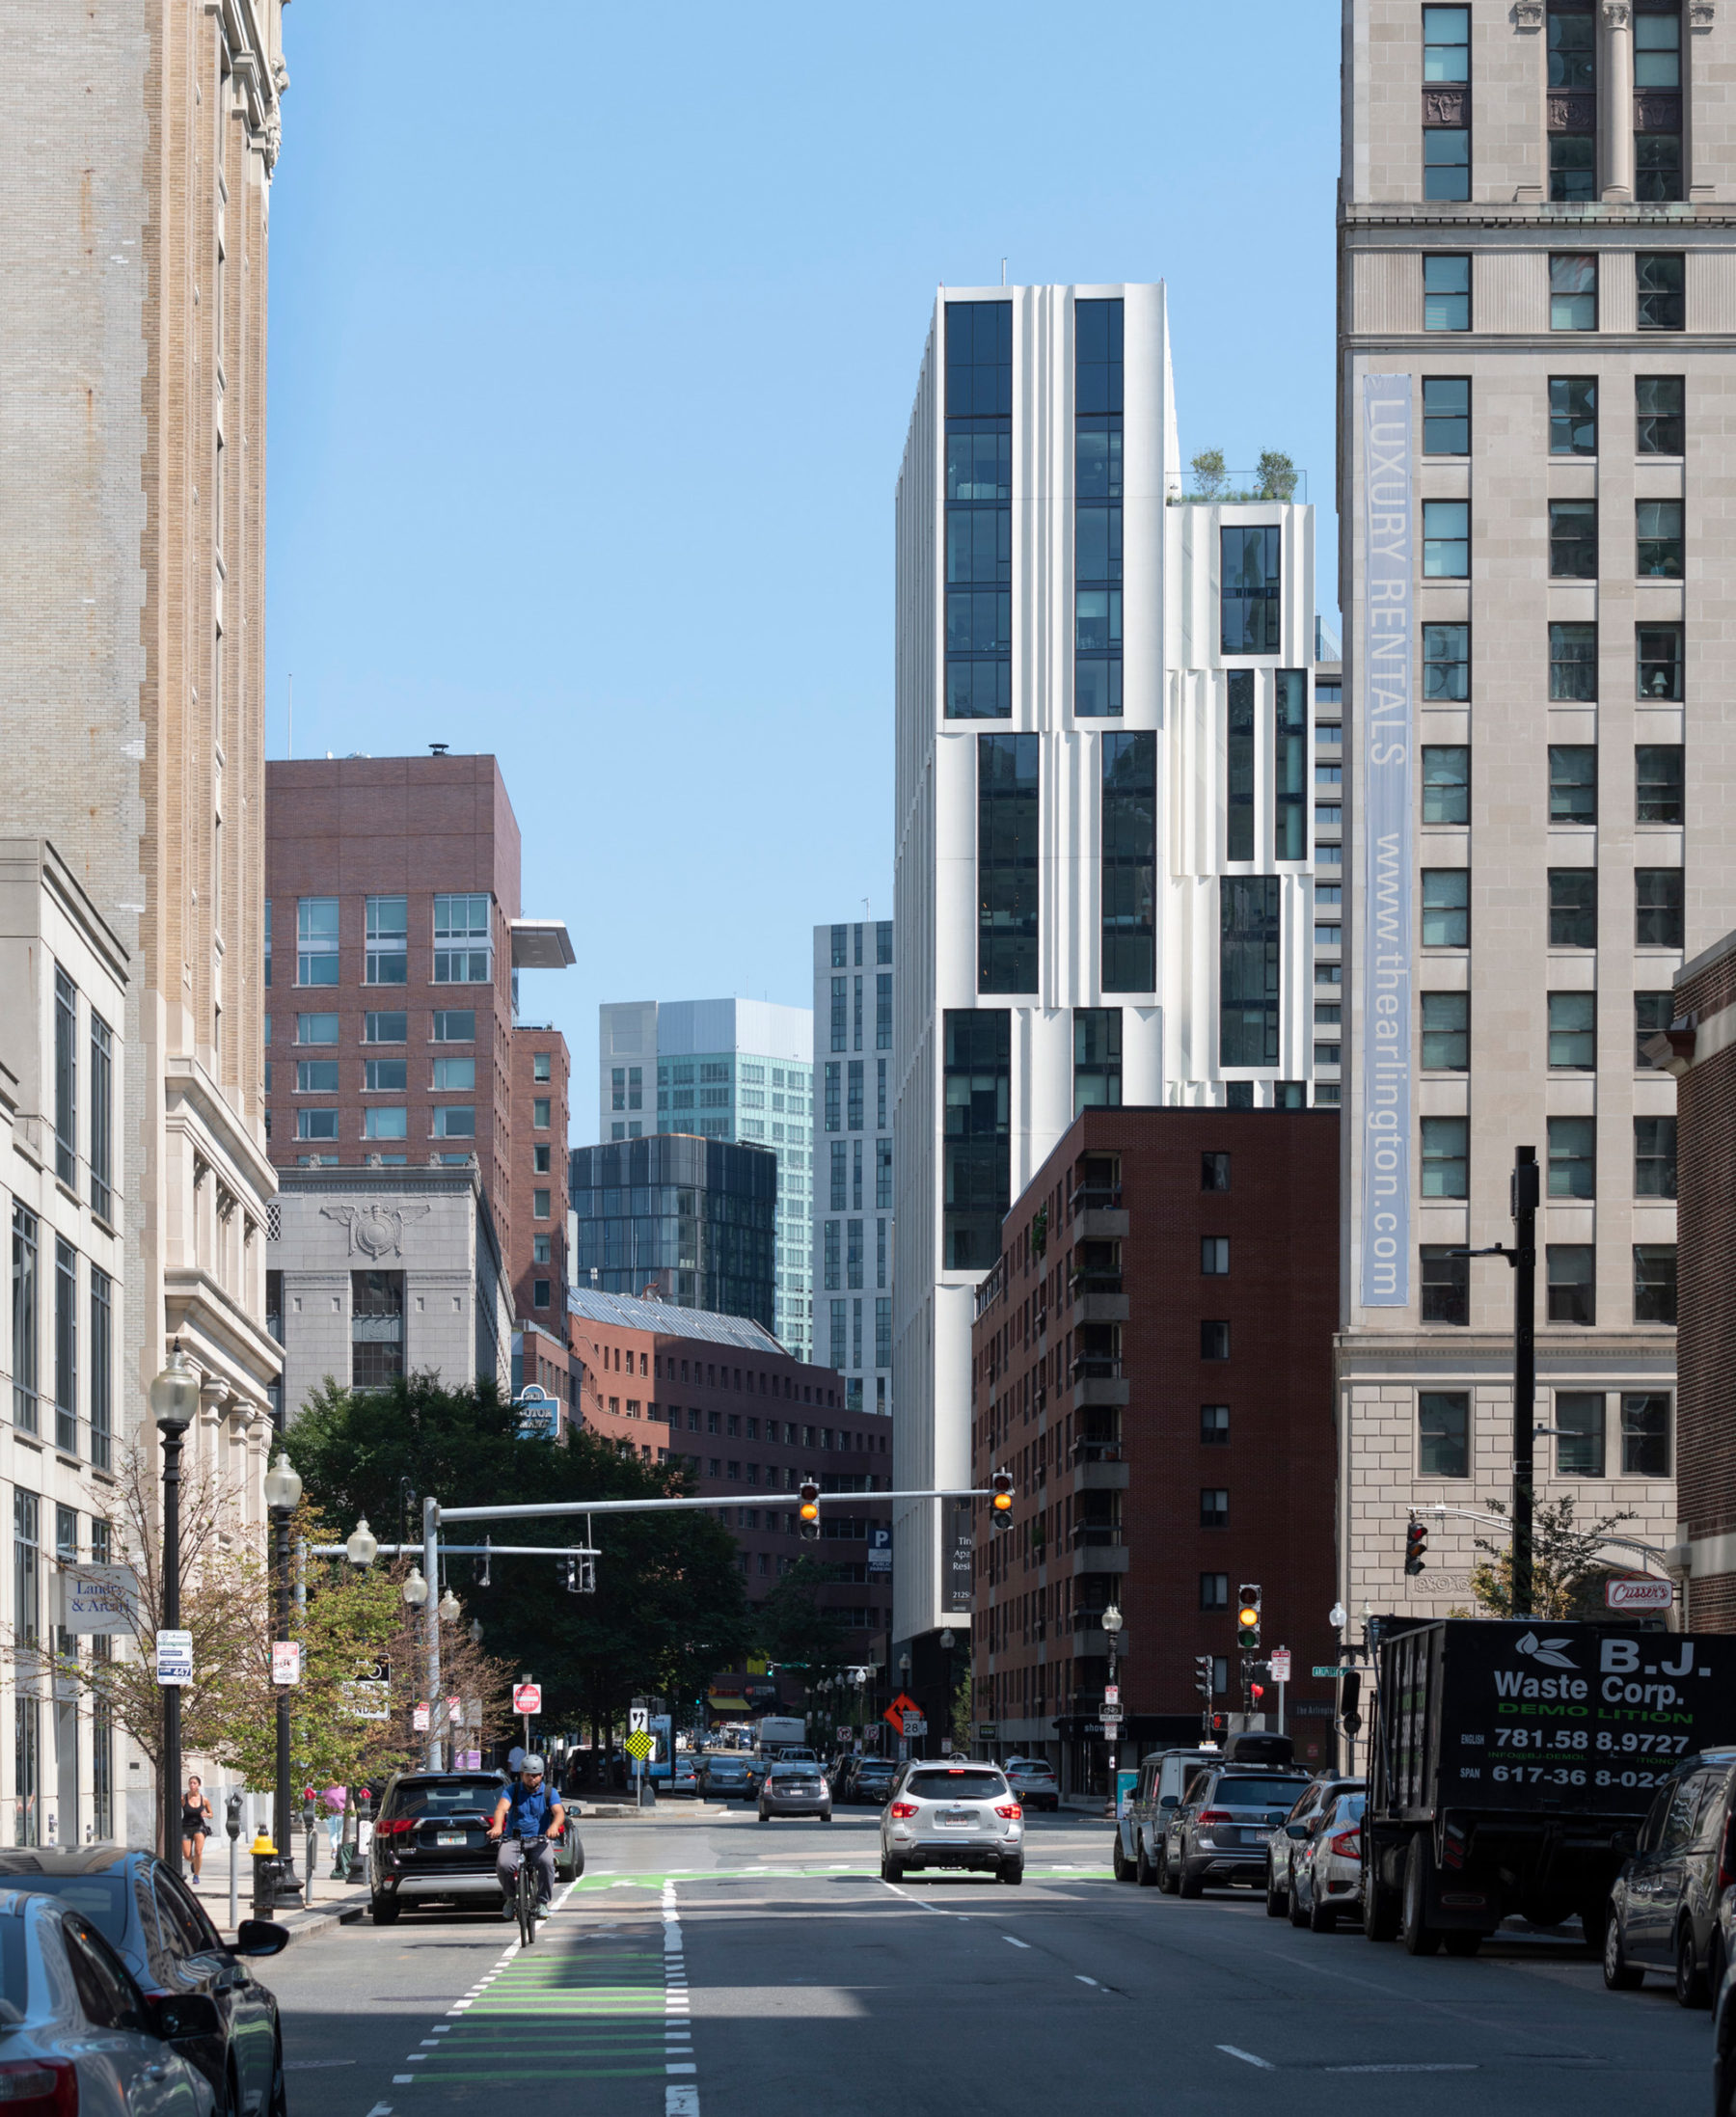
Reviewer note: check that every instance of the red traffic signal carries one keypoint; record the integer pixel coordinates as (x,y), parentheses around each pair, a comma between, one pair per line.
(1416,1546)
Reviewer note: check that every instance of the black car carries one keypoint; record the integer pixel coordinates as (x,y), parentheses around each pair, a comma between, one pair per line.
(160,1931)
(431,1843)
(1664,1908)
(871,1783)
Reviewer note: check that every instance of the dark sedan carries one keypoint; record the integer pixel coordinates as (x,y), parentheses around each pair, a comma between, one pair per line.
(871,1783)
(160,1931)
(724,1773)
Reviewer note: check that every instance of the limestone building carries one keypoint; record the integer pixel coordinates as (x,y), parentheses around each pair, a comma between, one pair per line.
(1537,286)
(134,218)
(1104,880)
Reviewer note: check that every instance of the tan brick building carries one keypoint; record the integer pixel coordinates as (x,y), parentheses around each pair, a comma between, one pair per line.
(1699,1049)
(1536,234)
(134,219)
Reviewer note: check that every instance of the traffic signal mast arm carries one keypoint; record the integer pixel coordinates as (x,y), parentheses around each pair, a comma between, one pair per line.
(669,1505)
(1502,1521)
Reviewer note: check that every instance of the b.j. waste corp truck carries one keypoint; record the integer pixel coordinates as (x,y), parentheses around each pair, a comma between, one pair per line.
(1511,1763)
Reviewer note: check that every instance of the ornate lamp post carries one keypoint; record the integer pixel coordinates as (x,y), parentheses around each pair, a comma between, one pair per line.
(282,1496)
(173,1403)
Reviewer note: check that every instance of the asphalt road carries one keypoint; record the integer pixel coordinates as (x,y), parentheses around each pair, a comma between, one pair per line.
(705,1966)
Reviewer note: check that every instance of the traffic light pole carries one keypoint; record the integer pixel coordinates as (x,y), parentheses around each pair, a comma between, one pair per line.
(1524,1195)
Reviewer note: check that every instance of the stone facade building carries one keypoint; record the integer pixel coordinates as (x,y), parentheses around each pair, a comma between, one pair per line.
(135,237)
(1152,1361)
(379,1273)
(1699,1049)
(1536,231)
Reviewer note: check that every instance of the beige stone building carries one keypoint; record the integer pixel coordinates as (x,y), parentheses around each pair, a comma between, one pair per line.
(134,210)
(1537,293)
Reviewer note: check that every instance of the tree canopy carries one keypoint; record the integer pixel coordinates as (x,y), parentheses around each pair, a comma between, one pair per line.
(670,1606)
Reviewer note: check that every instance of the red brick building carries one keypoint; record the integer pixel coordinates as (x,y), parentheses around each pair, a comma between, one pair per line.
(1151,1360)
(1699,1049)
(394,930)
(537,1259)
(752,1424)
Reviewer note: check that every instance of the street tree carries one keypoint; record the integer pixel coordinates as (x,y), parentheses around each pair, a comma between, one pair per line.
(1568,1564)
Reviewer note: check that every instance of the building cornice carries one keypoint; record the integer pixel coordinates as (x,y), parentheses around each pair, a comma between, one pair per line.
(257,65)
(1598,218)
(189,1089)
(1480,1357)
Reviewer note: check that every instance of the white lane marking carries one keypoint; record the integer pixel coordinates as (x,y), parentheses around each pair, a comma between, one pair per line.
(380,2110)
(1248,2058)
(1403,2069)
(402,2079)
(1012,1944)
(315,2064)
(680,2102)
(1079,1978)
(443,2028)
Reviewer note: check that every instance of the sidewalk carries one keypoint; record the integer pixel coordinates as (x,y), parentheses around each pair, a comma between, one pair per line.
(335,1902)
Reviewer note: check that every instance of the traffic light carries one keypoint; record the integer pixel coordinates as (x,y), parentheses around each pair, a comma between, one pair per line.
(580,1575)
(1416,1546)
(808,1512)
(1247,1619)
(1000,1503)
(1350,1703)
(1203,1682)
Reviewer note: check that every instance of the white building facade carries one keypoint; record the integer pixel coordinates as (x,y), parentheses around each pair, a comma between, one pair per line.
(854,1084)
(737,1069)
(65,1770)
(1105,882)
(1536,300)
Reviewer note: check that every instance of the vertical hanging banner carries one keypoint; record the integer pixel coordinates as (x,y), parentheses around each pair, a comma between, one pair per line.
(1385,938)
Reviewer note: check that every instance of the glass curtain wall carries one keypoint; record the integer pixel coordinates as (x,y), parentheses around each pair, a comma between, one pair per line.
(979,510)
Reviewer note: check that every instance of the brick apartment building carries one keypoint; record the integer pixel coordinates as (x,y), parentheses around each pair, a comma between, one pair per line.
(1152,1359)
(1699,1049)
(393,938)
(752,1423)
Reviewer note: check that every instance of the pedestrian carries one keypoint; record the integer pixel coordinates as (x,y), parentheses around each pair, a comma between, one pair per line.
(196,1823)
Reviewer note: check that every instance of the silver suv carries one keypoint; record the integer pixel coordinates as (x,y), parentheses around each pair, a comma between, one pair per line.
(1221,1832)
(951,1815)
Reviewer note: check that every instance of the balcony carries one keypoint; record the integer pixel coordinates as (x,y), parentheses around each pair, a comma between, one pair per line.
(1101,1302)
(1098,1381)
(1101,1557)
(1105,1473)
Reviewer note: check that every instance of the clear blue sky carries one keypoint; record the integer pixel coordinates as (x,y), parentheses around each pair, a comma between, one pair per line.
(593,337)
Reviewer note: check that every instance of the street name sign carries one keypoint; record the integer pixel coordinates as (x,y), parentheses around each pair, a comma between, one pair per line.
(174,1657)
(1330,1668)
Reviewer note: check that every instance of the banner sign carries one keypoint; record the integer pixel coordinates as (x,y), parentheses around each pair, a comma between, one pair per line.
(98,1598)
(1384,938)
(959,1570)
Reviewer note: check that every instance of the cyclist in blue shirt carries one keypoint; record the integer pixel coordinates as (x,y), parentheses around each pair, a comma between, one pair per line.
(526,1810)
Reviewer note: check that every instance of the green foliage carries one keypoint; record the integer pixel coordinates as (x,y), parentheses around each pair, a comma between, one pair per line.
(795,1628)
(670,1606)
(1567,1564)
(1209,473)
(1277,475)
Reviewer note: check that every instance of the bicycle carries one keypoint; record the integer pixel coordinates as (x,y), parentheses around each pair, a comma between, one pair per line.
(528,1876)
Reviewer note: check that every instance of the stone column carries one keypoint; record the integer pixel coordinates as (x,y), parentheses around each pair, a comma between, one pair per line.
(1616,103)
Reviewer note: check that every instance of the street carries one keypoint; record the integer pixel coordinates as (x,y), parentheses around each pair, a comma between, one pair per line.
(709,1965)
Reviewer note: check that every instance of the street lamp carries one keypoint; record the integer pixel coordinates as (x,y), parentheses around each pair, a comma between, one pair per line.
(363,1546)
(1112,1629)
(415,1589)
(449,1608)
(173,1402)
(282,1496)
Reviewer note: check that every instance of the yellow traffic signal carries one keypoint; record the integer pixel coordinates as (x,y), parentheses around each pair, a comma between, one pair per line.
(808,1512)
(1001,1500)
(1247,1619)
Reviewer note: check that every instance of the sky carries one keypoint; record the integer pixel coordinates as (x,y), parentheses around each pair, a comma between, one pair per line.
(593,341)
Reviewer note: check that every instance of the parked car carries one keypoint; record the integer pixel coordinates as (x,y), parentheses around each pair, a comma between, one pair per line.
(722,1773)
(951,1815)
(1157,1792)
(1033,1779)
(172,1952)
(1288,1847)
(796,1788)
(1326,1872)
(79,2036)
(1664,1904)
(1220,1832)
(431,1843)
(1724,2001)
(871,1783)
